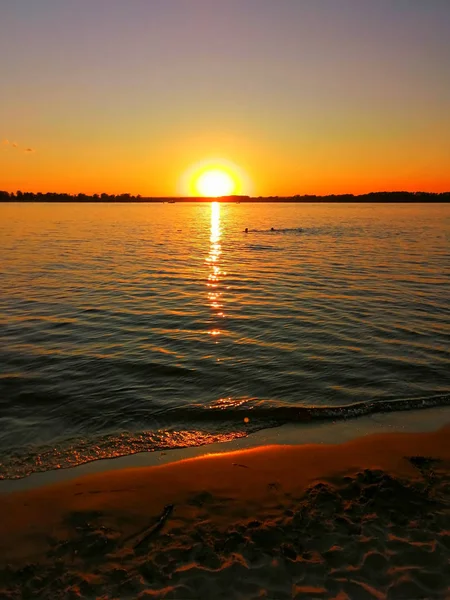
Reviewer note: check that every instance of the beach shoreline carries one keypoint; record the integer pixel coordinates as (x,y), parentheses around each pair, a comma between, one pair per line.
(365,518)
(325,432)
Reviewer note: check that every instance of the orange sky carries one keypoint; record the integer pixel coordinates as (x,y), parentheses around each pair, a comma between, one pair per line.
(303,97)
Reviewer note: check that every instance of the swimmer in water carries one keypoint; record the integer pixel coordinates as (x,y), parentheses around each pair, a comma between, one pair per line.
(246,230)
(272,229)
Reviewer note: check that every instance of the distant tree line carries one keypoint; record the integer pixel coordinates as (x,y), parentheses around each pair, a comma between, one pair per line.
(55,197)
(371,197)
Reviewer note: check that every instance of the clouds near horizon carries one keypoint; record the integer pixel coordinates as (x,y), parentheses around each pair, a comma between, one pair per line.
(16,146)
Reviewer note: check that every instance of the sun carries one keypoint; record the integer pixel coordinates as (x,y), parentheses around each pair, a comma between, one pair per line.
(215,182)
(213,178)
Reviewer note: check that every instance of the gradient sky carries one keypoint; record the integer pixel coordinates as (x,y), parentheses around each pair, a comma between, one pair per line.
(306,96)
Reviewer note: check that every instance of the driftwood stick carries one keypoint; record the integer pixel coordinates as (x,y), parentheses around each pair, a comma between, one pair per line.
(145,535)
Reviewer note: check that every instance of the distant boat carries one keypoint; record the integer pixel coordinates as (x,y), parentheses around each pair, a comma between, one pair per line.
(171,201)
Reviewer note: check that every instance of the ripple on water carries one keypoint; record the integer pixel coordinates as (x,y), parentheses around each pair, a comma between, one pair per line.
(121,326)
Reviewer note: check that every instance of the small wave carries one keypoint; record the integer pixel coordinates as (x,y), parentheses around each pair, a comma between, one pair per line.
(195,425)
(77,451)
(271,412)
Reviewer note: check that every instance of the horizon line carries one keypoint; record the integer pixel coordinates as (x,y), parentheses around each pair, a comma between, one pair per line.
(378,196)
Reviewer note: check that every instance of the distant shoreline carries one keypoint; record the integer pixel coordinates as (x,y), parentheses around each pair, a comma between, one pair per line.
(209,200)
(371,198)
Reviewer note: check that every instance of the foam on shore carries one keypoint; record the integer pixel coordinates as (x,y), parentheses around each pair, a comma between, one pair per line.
(332,432)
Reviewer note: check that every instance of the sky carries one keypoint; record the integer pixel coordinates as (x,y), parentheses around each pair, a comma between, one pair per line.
(302,96)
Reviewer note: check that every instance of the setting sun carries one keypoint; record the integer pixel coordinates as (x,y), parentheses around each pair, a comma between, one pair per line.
(215,182)
(214,178)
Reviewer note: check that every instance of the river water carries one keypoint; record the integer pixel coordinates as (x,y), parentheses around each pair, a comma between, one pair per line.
(133,327)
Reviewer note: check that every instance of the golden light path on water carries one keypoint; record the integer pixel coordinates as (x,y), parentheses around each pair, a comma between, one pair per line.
(215,250)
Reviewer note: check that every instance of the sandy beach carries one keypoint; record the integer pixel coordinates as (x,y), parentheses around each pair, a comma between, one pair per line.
(369,518)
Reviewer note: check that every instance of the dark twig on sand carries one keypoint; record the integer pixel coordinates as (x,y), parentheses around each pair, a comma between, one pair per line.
(145,534)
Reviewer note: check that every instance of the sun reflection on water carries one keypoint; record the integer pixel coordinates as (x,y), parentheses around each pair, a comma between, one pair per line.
(215,250)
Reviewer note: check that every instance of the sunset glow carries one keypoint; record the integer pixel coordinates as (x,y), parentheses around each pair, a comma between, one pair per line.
(224,221)
(214,178)
(307,99)
(215,182)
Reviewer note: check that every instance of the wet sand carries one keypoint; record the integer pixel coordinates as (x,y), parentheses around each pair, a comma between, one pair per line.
(369,518)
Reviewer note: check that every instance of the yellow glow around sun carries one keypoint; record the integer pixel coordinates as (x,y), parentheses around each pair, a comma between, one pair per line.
(213,179)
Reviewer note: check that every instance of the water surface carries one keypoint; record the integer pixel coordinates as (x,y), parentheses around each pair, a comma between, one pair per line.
(133,327)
